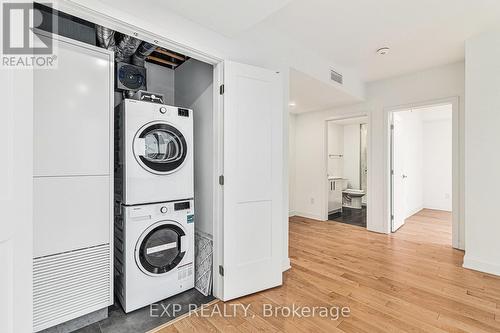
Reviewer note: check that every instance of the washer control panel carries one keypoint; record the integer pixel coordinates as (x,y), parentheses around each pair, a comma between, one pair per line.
(160,210)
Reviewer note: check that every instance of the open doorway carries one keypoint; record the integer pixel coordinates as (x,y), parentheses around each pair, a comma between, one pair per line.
(421,172)
(347,157)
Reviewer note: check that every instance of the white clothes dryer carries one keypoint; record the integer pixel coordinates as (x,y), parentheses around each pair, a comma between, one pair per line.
(155,162)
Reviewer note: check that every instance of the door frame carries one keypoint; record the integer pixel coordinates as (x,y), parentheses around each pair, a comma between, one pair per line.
(94,16)
(368,162)
(458,236)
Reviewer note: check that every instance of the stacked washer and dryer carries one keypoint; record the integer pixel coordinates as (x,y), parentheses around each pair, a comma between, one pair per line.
(154,212)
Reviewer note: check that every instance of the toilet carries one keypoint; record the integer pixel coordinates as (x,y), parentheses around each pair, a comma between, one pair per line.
(352,198)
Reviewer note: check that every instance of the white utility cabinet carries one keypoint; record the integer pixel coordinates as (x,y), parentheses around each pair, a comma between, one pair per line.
(72,183)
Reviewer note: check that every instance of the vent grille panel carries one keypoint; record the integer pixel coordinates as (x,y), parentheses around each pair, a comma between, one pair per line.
(69,285)
(336,77)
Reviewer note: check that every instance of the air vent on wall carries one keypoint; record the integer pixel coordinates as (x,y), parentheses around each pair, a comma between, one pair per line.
(337,77)
(69,285)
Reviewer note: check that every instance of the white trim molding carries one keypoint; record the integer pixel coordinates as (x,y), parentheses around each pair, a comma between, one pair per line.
(309,216)
(457,167)
(286,265)
(481,266)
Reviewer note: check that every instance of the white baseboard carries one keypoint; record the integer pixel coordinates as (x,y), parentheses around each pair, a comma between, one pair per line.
(286,265)
(414,211)
(291,213)
(481,266)
(310,216)
(437,208)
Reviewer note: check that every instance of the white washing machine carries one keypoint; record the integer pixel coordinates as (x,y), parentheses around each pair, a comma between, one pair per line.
(154,252)
(155,163)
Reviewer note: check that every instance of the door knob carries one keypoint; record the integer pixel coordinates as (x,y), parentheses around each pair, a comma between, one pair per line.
(405,176)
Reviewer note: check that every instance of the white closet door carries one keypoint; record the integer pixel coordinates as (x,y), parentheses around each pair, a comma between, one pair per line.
(398,175)
(253,180)
(72,117)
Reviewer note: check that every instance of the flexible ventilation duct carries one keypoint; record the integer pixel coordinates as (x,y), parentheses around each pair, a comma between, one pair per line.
(144,50)
(124,48)
(105,37)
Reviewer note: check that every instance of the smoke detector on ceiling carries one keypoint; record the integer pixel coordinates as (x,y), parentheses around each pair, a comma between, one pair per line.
(383,51)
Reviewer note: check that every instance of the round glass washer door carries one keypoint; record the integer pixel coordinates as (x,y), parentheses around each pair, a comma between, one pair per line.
(160,248)
(160,148)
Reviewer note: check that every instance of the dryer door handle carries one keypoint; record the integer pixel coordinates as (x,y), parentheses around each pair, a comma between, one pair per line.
(184,243)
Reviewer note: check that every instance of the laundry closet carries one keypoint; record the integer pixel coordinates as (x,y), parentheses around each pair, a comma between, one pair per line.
(132,152)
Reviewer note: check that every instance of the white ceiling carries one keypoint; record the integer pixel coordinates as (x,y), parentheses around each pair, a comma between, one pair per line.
(420,33)
(310,94)
(227,17)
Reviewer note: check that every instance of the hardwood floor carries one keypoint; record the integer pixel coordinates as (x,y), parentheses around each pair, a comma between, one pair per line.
(411,281)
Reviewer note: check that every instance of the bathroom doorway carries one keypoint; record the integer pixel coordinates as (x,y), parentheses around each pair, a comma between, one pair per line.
(421,172)
(347,170)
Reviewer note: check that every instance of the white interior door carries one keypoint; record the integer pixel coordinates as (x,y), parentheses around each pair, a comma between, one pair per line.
(398,174)
(16,172)
(253,180)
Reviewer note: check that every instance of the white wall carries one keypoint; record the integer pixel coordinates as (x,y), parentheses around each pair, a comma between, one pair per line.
(16,203)
(429,85)
(352,156)
(344,138)
(437,166)
(310,173)
(194,90)
(482,158)
(161,80)
(291,164)
(335,147)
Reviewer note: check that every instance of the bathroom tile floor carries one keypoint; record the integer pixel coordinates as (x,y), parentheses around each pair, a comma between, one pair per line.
(350,216)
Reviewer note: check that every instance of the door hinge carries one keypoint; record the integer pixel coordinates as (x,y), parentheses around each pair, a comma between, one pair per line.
(392,126)
(392,217)
(221,89)
(392,172)
(221,180)
(221,270)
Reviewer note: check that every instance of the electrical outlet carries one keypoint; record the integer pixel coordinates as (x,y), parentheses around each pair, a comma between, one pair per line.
(312,201)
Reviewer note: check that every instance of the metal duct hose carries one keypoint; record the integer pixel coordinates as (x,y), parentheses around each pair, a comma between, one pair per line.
(106,37)
(144,50)
(126,47)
